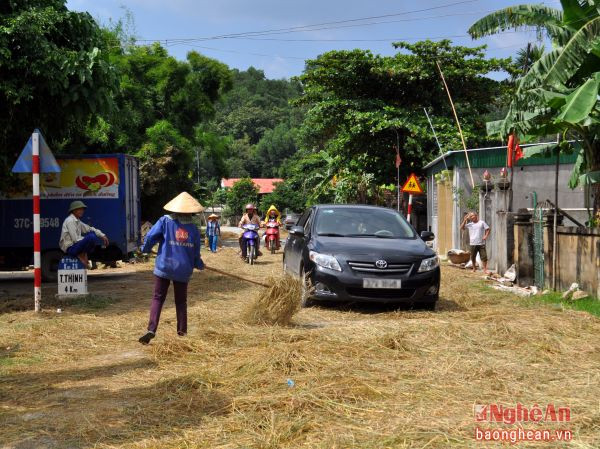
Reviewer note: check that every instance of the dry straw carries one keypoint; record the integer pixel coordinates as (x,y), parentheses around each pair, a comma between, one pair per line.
(277,304)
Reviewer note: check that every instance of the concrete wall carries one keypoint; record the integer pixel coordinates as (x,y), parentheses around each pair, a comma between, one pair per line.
(578,258)
(539,179)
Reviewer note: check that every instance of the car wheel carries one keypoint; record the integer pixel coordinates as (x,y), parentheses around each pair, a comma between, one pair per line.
(50,261)
(306,289)
(429,304)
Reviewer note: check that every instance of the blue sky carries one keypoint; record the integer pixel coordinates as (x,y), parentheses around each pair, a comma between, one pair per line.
(282,54)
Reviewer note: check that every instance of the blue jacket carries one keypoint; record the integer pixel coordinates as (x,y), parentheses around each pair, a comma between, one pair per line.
(213,228)
(178,250)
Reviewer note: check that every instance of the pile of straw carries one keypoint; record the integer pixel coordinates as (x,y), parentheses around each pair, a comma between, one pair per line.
(277,304)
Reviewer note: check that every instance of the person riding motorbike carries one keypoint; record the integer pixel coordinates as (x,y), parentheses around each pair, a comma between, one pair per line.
(250,217)
(273,215)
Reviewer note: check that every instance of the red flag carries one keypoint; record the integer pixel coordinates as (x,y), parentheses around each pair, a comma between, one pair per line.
(514,150)
(398,159)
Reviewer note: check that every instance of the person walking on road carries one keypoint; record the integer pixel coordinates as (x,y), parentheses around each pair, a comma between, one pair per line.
(178,254)
(478,234)
(78,239)
(213,231)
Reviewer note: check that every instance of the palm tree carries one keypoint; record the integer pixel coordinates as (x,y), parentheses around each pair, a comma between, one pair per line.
(559,92)
(526,57)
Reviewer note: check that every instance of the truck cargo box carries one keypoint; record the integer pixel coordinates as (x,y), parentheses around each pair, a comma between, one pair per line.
(109,186)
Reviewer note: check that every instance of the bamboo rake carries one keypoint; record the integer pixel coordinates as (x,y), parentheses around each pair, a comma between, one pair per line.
(235,276)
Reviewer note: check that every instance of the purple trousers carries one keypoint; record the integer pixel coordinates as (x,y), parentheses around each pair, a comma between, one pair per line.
(161,288)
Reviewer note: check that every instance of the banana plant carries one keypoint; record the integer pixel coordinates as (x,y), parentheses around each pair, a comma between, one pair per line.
(559,93)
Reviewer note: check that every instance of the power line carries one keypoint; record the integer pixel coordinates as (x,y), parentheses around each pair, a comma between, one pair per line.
(356,25)
(309,27)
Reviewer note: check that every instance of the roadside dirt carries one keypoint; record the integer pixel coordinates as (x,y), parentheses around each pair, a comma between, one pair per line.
(339,377)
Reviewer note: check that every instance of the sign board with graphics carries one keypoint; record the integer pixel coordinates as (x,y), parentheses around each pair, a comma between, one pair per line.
(77,179)
(72,277)
(412,186)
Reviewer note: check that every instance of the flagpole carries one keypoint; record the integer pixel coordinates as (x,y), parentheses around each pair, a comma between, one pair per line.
(398,167)
(398,181)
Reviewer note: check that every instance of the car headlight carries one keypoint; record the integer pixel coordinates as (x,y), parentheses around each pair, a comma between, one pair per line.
(429,264)
(325,261)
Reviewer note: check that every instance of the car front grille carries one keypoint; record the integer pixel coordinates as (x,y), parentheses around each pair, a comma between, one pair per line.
(369,267)
(384,293)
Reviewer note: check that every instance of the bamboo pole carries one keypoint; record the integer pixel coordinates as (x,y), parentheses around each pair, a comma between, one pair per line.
(462,137)
(235,276)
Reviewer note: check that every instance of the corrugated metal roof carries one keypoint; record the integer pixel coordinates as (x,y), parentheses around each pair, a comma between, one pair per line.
(491,157)
(265,185)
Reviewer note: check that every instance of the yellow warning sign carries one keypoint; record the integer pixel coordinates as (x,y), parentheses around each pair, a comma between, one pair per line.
(412,185)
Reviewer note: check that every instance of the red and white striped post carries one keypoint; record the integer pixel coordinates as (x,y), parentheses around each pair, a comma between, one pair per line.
(409,207)
(37,246)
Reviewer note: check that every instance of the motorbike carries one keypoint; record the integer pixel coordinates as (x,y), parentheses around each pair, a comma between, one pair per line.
(272,236)
(251,236)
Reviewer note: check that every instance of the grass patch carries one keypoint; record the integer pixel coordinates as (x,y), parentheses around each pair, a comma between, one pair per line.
(590,305)
(92,302)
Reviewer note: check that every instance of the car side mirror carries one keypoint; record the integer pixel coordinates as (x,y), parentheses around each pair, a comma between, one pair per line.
(297,230)
(427,236)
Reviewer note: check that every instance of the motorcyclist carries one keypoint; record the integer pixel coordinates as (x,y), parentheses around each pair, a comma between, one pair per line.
(273,215)
(250,217)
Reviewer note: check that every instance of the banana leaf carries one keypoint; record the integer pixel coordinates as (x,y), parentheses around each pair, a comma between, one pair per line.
(581,102)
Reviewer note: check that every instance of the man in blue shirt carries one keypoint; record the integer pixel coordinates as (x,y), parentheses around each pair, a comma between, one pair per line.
(178,254)
(213,231)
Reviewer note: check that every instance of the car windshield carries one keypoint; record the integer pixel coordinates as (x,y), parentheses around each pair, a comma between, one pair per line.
(358,222)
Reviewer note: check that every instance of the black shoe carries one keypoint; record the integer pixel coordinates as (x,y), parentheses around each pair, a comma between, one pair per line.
(145,339)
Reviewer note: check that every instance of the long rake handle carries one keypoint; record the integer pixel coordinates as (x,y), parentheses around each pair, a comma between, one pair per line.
(224,273)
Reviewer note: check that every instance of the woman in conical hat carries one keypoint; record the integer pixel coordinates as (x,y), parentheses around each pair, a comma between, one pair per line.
(213,231)
(178,255)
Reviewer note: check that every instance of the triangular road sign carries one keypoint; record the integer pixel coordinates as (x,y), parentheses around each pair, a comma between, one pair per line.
(412,185)
(48,163)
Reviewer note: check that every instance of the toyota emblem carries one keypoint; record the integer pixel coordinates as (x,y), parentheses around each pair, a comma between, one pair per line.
(381,264)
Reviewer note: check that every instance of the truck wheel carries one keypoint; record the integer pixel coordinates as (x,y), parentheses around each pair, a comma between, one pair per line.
(50,261)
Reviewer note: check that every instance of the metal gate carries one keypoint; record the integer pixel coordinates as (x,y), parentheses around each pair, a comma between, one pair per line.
(538,243)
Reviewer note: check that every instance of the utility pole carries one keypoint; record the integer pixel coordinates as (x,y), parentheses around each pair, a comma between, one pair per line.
(512,168)
(197,166)
(554,233)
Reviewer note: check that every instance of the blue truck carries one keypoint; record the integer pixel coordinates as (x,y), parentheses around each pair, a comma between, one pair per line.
(109,186)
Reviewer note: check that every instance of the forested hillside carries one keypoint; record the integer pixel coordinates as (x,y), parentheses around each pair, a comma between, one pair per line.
(330,132)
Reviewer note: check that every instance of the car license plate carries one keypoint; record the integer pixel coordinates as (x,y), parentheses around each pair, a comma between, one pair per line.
(382,283)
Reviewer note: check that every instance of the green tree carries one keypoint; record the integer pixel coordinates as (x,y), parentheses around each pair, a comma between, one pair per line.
(276,146)
(360,105)
(285,197)
(56,74)
(165,162)
(241,193)
(559,93)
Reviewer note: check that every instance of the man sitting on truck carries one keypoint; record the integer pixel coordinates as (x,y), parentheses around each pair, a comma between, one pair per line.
(77,239)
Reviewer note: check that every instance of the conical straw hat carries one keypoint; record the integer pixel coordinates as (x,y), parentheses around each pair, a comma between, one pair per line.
(184,203)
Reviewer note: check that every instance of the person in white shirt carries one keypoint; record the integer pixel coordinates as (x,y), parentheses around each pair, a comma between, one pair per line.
(478,234)
(77,239)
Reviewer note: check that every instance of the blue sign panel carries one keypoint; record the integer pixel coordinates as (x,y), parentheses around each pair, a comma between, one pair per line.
(47,162)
